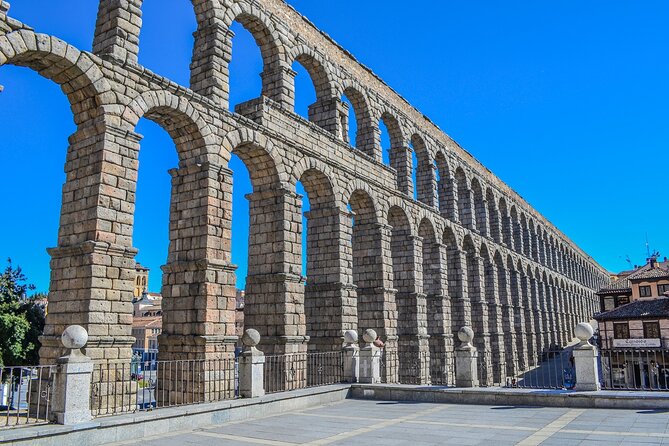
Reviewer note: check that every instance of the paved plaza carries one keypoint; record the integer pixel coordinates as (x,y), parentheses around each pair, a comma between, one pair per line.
(358,422)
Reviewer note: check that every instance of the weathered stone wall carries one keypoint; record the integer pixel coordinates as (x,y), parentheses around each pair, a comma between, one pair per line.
(469,251)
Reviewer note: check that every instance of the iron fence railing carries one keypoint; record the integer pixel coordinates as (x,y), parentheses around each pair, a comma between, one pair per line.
(301,370)
(635,369)
(25,395)
(146,385)
(417,368)
(553,369)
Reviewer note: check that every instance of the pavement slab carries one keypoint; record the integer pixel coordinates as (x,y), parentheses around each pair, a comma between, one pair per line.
(392,423)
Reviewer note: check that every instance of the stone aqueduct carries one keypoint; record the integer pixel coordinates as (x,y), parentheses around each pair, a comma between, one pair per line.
(469,251)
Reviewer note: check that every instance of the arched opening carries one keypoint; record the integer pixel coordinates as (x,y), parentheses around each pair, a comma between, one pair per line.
(534,245)
(445,191)
(507,313)
(313,95)
(157,156)
(305,92)
(517,233)
(246,65)
(528,333)
(273,283)
(36,156)
(480,212)
(367,264)
(164,38)
(465,212)
(506,223)
(493,217)
(454,273)
(357,126)
(403,254)
(477,304)
(394,150)
(425,176)
(520,346)
(438,309)
(495,325)
(329,309)
(524,230)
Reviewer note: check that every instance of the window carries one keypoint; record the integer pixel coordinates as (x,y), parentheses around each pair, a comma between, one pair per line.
(622,300)
(663,288)
(644,291)
(651,330)
(621,331)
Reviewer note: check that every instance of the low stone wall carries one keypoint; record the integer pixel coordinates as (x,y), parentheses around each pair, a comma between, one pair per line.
(144,424)
(605,399)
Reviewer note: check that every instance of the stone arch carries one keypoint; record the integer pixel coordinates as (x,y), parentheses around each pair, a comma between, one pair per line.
(508,323)
(515,269)
(465,210)
(431,257)
(192,136)
(525,233)
(505,219)
(534,248)
(494,222)
(480,211)
(448,206)
(78,76)
(399,155)
(517,235)
(368,266)
(261,27)
(425,179)
(411,304)
(260,156)
(313,164)
(329,298)
(477,302)
(318,69)
(366,132)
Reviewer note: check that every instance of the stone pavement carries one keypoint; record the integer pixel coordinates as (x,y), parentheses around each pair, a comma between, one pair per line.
(359,422)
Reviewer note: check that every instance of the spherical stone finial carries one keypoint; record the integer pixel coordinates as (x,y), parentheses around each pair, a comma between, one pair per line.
(350,336)
(251,338)
(584,331)
(369,336)
(74,337)
(466,335)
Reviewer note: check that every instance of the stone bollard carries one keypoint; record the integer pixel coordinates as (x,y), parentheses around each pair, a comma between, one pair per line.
(251,366)
(71,402)
(585,359)
(466,360)
(351,354)
(370,360)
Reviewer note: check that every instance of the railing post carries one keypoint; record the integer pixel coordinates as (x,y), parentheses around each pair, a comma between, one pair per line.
(585,359)
(351,357)
(71,403)
(251,366)
(370,359)
(466,360)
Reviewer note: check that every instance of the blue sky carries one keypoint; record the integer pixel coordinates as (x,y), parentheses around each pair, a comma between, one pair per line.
(565,101)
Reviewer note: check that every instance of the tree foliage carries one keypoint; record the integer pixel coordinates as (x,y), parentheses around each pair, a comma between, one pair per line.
(21,318)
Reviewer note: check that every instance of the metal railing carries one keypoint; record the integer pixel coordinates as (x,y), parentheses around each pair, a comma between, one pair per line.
(25,395)
(146,385)
(301,370)
(416,368)
(633,369)
(552,370)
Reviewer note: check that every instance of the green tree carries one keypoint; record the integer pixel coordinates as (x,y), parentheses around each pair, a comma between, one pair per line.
(21,318)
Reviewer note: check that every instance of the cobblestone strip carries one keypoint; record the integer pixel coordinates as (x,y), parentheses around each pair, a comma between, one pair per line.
(543,434)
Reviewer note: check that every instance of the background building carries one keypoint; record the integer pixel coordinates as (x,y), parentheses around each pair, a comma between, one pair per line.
(634,327)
